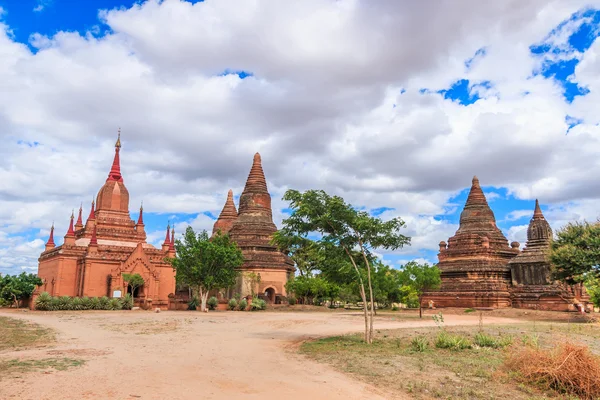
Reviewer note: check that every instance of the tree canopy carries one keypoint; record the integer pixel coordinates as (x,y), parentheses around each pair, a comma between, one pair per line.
(134,281)
(346,230)
(14,288)
(206,263)
(420,278)
(575,253)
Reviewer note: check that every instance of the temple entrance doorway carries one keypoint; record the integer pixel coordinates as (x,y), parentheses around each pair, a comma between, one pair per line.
(135,293)
(270,294)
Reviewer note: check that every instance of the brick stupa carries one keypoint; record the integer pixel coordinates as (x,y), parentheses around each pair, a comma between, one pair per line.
(532,286)
(252,230)
(474,263)
(93,258)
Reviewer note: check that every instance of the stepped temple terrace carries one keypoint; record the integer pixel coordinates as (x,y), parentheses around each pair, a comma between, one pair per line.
(93,257)
(266,270)
(480,269)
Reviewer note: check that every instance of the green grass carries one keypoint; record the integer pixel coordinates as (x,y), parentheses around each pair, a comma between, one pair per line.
(17,334)
(20,366)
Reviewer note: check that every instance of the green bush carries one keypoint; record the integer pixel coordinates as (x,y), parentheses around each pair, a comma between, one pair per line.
(292,301)
(4,303)
(104,303)
(43,301)
(445,340)
(114,304)
(212,303)
(242,305)
(127,302)
(419,344)
(76,303)
(470,310)
(86,303)
(258,304)
(65,303)
(193,303)
(232,304)
(395,308)
(95,303)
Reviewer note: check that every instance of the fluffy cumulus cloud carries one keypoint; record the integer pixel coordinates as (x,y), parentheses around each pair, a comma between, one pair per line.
(393,105)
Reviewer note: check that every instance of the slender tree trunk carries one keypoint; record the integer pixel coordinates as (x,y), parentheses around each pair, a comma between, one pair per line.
(368,335)
(368,265)
(204,299)
(420,308)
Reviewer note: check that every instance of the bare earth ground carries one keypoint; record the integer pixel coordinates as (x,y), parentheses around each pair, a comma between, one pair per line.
(190,355)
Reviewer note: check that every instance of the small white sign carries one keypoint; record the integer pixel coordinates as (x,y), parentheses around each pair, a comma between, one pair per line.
(117,294)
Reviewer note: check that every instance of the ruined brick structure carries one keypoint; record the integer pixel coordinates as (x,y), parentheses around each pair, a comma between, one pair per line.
(252,229)
(94,256)
(532,286)
(480,269)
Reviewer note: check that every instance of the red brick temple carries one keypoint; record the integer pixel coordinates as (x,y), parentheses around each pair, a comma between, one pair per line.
(480,269)
(93,257)
(252,228)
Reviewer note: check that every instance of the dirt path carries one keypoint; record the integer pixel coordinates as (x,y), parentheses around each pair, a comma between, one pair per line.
(186,355)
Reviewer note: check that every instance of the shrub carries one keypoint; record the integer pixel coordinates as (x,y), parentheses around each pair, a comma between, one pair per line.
(193,303)
(258,304)
(242,305)
(232,304)
(43,301)
(395,308)
(212,303)
(65,303)
(483,340)
(568,368)
(419,344)
(4,303)
(76,304)
(470,310)
(445,340)
(127,302)
(292,301)
(104,303)
(95,303)
(86,303)
(114,304)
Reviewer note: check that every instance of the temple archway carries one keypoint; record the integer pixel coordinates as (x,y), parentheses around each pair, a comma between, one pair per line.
(270,294)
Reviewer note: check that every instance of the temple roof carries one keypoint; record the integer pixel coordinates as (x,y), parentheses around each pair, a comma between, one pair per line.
(539,236)
(228,215)
(114,196)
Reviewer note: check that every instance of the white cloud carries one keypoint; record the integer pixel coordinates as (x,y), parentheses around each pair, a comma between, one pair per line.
(324,108)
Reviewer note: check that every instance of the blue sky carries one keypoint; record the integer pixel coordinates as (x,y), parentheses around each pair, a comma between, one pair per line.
(553,57)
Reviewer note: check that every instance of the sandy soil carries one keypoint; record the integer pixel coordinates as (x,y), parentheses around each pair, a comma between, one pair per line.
(192,355)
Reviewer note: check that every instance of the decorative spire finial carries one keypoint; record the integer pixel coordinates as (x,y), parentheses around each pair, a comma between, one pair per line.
(172,244)
(50,242)
(71,231)
(118,144)
(537,212)
(141,217)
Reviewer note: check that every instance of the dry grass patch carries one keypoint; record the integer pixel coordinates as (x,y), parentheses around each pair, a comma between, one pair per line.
(17,334)
(145,327)
(417,362)
(570,369)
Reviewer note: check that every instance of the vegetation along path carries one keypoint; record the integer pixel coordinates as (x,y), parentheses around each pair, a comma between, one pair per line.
(185,355)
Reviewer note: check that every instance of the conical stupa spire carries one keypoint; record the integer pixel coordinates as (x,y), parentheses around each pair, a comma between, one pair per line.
(477,216)
(141,217)
(94,239)
(92,215)
(71,231)
(476,195)
(172,244)
(227,216)
(50,243)
(256,182)
(167,241)
(115,171)
(79,223)
(537,212)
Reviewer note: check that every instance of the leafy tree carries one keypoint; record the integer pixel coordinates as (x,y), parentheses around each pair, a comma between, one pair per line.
(306,253)
(575,253)
(252,280)
(312,289)
(420,278)
(354,232)
(15,288)
(206,263)
(386,285)
(592,284)
(134,281)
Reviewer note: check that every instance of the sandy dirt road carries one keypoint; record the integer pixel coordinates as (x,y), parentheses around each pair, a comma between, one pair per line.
(192,355)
